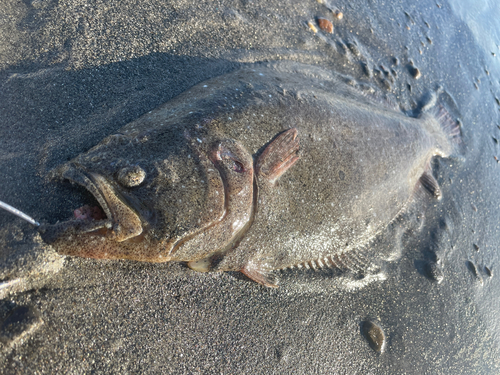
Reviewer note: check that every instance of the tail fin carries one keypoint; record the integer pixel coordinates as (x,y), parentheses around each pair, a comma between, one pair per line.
(450,126)
(446,131)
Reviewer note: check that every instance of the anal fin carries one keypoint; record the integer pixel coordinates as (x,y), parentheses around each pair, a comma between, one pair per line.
(352,261)
(278,156)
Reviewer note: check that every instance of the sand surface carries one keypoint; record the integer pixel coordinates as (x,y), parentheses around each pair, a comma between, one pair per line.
(73,72)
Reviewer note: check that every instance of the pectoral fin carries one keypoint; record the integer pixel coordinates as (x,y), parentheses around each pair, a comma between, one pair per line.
(430,184)
(278,156)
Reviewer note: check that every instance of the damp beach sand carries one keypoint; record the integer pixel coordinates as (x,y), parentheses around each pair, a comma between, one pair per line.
(74,72)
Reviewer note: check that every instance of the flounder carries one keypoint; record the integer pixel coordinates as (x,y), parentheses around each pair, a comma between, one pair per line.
(269,167)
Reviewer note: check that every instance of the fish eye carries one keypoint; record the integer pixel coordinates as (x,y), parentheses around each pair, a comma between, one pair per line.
(131,176)
(238,167)
(232,160)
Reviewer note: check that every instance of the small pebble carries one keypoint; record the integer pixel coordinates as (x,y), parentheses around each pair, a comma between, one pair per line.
(325,25)
(415,72)
(374,335)
(338,14)
(312,27)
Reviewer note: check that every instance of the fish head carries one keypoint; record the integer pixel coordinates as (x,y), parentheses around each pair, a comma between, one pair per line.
(156,190)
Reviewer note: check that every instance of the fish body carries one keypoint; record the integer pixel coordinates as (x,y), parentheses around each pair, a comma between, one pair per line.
(265,168)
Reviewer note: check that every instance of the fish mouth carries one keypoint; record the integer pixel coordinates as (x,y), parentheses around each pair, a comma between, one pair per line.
(122,222)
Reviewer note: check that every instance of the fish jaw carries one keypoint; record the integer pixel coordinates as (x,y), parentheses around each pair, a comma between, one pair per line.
(115,237)
(126,222)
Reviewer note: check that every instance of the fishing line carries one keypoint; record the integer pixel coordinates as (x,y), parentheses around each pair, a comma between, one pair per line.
(18,213)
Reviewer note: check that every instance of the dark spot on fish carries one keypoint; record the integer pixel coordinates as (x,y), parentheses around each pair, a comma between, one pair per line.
(495,140)
(374,335)
(475,247)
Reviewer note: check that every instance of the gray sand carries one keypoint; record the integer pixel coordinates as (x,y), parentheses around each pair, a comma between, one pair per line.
(74,72)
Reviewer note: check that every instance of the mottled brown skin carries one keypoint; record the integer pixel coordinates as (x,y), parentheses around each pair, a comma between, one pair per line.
(265,168)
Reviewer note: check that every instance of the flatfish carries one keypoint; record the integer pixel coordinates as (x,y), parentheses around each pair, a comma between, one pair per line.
(272,166)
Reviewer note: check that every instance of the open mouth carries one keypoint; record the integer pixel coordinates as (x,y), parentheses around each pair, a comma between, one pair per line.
(114,219)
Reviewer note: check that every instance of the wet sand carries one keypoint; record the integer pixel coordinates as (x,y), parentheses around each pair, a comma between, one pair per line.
(73,73)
